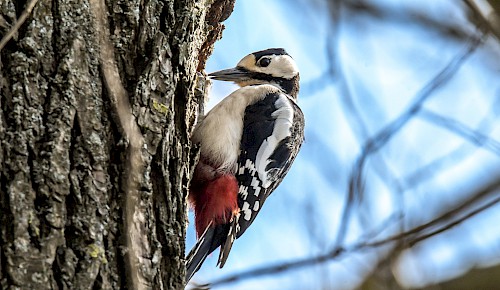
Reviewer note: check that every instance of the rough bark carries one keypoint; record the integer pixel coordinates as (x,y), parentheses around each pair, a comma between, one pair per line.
(98,99)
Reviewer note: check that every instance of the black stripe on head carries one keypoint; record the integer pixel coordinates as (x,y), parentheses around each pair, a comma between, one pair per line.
(257,75)
(270,51)
(289,86)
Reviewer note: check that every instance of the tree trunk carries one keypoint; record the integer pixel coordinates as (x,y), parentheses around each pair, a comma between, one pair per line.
(98,100)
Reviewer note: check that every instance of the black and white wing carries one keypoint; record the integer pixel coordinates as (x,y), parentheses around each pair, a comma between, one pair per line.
(273,131)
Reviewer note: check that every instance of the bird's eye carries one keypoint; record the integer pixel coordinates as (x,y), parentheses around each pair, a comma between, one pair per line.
(264,62)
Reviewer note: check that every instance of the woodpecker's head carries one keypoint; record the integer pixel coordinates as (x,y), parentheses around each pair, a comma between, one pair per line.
(271,66)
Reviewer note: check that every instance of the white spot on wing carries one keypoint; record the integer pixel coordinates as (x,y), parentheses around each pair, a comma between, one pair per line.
(256,206)
(243,190)
(250,166)
(246,211)
(255,184)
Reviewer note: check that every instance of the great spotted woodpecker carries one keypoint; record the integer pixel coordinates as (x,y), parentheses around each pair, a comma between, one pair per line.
(247,144)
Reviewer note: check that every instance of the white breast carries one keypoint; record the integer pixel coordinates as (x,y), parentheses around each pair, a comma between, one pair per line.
(219,133)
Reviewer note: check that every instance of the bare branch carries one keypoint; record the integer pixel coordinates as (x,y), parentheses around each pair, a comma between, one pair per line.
(380,139)
(486,15)
(449,215)
(388,14)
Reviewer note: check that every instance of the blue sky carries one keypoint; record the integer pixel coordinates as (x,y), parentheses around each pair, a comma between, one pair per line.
(380,67)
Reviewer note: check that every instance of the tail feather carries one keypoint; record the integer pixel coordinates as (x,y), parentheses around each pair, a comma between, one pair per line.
(234,228)
(199,252)
(211,239)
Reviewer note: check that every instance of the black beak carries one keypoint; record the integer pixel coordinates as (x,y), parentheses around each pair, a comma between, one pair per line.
(233,75)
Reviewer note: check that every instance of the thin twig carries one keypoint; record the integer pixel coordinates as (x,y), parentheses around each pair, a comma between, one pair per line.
(427,171)
(476,198)
(13,30)
(412,236)
(455,222)
(460,129)
(410,16)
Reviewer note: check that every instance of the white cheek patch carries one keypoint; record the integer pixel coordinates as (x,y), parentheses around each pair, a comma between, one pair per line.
(283,66)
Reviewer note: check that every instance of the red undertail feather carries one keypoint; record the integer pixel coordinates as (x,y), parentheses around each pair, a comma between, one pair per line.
(215,201)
